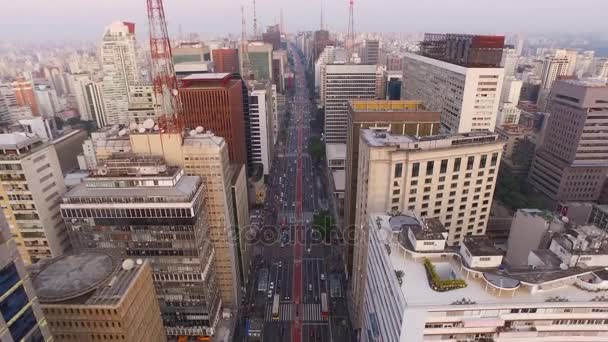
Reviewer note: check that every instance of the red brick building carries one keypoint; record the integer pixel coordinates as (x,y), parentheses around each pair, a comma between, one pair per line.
(24,94)
(226,60)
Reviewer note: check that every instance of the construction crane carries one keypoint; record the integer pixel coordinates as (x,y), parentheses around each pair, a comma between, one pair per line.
(168,105)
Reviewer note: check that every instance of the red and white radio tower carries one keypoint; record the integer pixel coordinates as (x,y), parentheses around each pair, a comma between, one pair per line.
(163,72)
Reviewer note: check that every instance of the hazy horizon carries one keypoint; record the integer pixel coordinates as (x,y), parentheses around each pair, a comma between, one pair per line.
(66,20)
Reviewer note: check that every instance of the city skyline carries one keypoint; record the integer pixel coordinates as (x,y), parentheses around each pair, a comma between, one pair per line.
(47,22)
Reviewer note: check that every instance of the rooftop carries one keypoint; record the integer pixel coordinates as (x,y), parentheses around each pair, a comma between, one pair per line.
(481,246)
(89,278)
(407,142)
(335,151)
(215,76)
(17,140)
(386,105)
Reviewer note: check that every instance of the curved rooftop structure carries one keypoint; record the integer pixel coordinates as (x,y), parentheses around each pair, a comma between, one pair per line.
(72,276)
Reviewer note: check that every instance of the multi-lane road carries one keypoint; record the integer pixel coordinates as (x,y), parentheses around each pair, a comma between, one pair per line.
(291,253)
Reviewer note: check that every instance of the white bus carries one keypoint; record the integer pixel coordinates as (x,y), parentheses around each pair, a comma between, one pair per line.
(275,307)
(324,309)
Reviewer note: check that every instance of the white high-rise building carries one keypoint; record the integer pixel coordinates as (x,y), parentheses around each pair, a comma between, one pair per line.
(78,83)
(467,97)
(120,70)
(553,67)
(95,103)
(345,82)
(48,103)
(261,126)
(511,90)
(509,61)
(327,56)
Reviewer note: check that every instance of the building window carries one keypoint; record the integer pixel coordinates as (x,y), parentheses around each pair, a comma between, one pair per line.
(396,192)
(444,166)
(457,164)
(482,161)
(415,169)
(470,163)
(494,159)
(398,170)
(442,179)
(429,168)
(414,182)
(440,187)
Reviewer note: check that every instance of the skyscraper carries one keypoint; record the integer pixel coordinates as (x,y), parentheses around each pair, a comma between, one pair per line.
(78,84)
(260,60)
(449,177)
(370,52)
(215,102)
(140,207)
(21,318)
(120,70)
(48,103)
(343,82)
(553,68)
(24,94)
(31,188)
(396,117)
(260,136)
(571,164)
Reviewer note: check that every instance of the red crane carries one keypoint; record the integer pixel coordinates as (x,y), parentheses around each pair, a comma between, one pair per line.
(168,105)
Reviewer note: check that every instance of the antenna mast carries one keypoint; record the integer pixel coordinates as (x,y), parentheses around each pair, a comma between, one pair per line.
(351,31)
(165,85)
(322,26)
(282,23)
(255,23)
(244,52)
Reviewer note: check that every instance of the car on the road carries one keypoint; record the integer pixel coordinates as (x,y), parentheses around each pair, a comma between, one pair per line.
(271,285)
(309,287)
(322,276)
(269,294)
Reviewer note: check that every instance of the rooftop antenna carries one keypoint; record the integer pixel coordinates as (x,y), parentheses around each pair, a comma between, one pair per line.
(255,22)
(244,52)
(322,26)
(351,31)
(282,23)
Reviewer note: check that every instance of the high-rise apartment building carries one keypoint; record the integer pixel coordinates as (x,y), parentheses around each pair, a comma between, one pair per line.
(215,102)
(226,60)
(21,317)
(47,100)
(141,103)
(260,60)
(94,296)
(78,83)
(24,94)
(395,117)
(571,164)
(140,207)
(272,36)
(509,60)
(120,70)
(31,189)
(93,93)
(321,39)
(260,135)
(344,82)
(467,94)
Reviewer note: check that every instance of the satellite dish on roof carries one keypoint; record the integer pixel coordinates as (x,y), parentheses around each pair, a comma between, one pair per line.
(133,126)
(148,124)
(122,132)
(128,264)
(174,92)
(192,133)
(565,219)
(200,129)
(139,261)
(563,266)
(156,127)
(141,130)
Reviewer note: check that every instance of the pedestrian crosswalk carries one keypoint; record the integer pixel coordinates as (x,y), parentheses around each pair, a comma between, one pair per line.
(310,313)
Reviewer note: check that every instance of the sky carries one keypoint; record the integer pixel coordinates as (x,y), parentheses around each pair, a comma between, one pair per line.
(84,20)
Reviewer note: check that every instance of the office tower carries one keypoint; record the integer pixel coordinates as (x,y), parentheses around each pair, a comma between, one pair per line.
(225,60)
(32,186)
(24,94)
(394,62)
(279,67)
(137,206)
(260,135)
(511,90)
(343,82)
(520,144)
(396,117)
(93,296)
(327,56)
(260,60)
(465,87)
(272,36)
(93,93)
(600,68)
(571,164)
(381,81)
(571,56)
(553,68)
(215,102)
(509,60)
(320,41)
(191,52)
(78,84)
(47,100)
(4,111)
(370,52)
(21,318)
(120,70)
(500,302)
(206,155)
(68,147)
